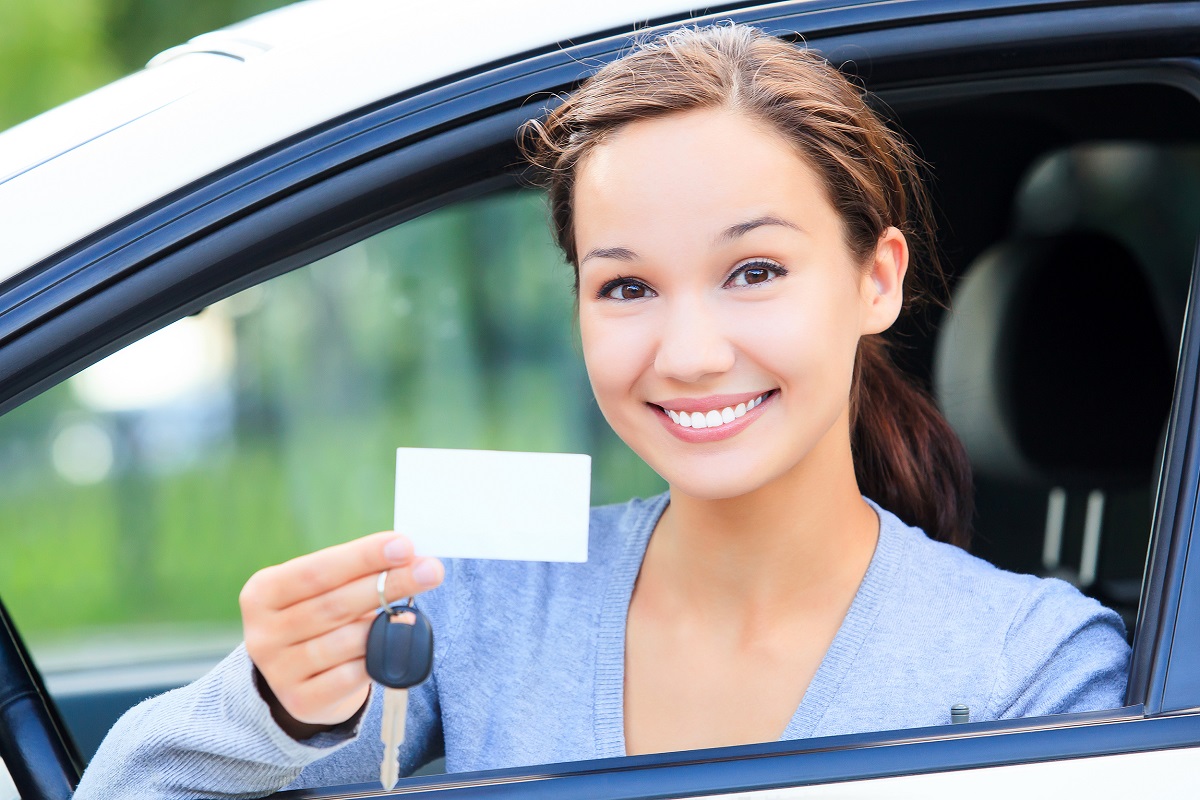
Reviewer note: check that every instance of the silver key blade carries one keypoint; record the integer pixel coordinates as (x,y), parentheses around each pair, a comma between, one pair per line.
(395,713)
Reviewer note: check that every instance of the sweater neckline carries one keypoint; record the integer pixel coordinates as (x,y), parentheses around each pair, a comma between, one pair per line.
(639,524)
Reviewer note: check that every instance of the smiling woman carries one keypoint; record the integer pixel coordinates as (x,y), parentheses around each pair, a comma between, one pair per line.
(745,220)
(746,223)
(700,340)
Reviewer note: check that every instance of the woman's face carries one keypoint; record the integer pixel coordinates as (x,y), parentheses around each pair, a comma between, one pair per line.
(719,305)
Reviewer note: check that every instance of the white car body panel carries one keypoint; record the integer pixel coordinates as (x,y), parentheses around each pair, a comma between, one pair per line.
(142,138)
(1158,773)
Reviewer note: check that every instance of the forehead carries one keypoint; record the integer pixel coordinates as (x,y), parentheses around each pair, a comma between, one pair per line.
(695,170)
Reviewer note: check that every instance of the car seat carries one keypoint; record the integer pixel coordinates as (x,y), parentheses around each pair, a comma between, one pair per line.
(1053,369)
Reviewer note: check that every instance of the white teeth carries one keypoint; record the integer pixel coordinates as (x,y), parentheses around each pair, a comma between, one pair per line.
(714,418)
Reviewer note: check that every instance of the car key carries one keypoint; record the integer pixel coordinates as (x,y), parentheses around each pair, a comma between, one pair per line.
(399,656)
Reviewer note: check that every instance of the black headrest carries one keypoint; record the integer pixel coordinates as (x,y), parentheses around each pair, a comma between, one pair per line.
(1052,365)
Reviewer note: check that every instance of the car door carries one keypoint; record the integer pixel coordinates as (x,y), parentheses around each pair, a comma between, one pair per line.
(299,218)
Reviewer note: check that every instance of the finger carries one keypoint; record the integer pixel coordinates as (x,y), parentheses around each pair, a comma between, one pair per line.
(331,697)
(316,573)
(304,660)
(313,617)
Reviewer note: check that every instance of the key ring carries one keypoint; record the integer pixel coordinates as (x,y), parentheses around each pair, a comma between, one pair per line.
(384,606)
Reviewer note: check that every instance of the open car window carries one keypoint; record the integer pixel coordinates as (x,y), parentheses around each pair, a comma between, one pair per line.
(263,425)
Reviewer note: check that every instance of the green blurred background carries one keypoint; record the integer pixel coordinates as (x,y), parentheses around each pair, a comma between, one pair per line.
(54,50)
(132,512)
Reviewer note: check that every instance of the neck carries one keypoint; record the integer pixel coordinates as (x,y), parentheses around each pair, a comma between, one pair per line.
(790,546)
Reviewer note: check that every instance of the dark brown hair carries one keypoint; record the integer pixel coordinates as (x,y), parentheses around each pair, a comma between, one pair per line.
(906,457)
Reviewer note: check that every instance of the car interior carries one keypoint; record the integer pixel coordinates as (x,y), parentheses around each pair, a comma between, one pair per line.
(1068,221)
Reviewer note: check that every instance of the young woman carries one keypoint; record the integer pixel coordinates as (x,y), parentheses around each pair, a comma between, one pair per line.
(743,227)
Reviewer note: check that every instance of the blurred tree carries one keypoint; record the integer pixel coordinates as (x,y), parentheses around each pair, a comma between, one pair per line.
(50,51)
(54,50)
(137,30)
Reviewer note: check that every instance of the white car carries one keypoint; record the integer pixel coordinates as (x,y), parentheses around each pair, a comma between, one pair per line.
(232,282)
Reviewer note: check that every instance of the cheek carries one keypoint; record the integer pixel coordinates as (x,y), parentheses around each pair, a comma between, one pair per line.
(809,347)
(615,353)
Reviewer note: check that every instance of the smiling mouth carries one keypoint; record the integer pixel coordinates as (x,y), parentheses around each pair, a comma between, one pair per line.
(716,417)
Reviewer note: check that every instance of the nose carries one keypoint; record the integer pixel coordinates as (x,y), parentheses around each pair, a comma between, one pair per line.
(692,344)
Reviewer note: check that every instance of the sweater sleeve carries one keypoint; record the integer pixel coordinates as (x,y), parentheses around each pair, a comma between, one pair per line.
(216,737)
(1063,653)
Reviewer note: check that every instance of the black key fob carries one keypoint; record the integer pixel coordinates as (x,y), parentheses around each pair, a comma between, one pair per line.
(400,647)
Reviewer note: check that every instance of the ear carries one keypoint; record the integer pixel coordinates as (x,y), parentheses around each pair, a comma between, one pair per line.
(882,288)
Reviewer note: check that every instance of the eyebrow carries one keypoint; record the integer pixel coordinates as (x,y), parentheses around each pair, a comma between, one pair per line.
(619,253)
(732,232)
(742,228)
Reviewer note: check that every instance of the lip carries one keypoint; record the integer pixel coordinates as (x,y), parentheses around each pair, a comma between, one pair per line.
(717,401)
(693,404)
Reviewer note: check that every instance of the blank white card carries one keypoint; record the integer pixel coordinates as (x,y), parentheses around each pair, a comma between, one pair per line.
(492,504)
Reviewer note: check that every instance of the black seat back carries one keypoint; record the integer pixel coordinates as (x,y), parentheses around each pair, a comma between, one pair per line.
(1053,368)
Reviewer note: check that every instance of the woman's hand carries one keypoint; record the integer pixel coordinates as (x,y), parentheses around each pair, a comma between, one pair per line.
(305,622)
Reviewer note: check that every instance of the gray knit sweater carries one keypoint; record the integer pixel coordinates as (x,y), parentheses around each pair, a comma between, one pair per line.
(529,668)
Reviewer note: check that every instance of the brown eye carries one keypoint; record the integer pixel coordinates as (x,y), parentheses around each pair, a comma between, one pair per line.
(755,272)
(625,289)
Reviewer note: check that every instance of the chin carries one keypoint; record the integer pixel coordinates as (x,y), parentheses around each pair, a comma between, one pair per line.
(711,486)
(707,492)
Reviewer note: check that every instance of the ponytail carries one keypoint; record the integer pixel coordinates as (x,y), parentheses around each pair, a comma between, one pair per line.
(907,458)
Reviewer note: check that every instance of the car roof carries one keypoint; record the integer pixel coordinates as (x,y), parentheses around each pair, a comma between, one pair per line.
(225,95)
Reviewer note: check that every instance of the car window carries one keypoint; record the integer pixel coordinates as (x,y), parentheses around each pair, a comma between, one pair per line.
(151,485)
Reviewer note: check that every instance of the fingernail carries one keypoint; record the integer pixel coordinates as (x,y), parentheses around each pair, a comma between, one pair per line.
(428,572)
(398,550)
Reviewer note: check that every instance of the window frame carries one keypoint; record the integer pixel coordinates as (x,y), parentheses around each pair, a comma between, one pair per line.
(335,185)
(1169,609)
